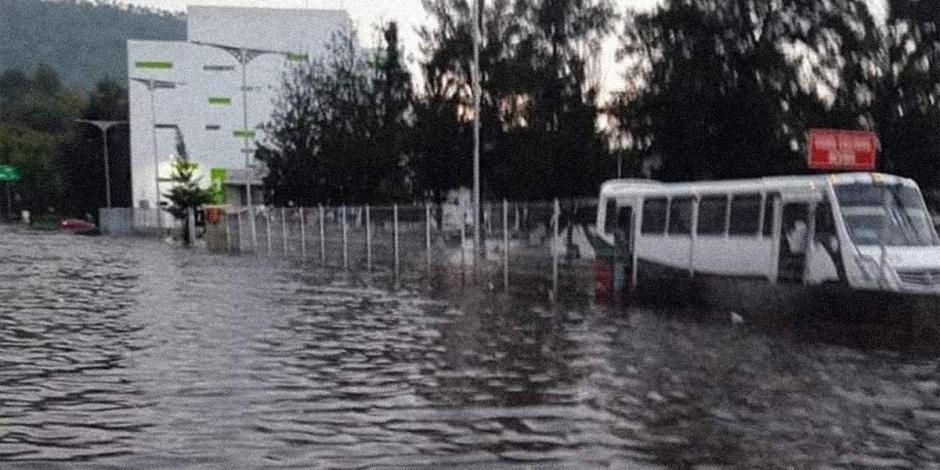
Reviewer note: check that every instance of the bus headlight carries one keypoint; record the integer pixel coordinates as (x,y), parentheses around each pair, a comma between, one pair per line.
(871,269)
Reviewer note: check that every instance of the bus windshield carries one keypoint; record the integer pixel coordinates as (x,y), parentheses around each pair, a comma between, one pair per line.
(886,214)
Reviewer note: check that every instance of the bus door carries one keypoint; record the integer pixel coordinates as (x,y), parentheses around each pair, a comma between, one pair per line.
(795,230)
(824,253)
(623,246)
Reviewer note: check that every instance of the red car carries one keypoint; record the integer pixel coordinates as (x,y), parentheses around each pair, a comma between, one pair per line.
(78,226)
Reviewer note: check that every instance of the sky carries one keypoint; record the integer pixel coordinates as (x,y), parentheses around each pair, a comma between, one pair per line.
(410,15)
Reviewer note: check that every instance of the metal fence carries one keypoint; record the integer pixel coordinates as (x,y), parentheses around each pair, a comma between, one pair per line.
(540,244)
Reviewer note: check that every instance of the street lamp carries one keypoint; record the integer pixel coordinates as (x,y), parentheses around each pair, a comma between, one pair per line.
(152,84)
(245,55)
(104,126)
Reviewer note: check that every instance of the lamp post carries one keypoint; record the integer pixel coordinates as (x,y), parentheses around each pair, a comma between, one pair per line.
(244,55)
(476,131)
(152,84)
(104,126)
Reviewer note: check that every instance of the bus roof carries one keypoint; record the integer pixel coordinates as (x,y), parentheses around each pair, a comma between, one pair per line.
(627,187)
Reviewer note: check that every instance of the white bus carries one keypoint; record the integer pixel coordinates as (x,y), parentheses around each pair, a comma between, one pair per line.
(862,231)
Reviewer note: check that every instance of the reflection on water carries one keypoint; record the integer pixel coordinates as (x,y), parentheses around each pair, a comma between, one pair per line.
(129,354)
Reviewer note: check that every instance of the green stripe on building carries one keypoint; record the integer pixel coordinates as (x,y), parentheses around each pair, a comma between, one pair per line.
(296,56)
(242,133)
(220,100)
(153,64)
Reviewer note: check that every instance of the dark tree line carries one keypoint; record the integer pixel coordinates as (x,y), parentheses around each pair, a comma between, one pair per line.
(60,161)
(340,132)
(713,89)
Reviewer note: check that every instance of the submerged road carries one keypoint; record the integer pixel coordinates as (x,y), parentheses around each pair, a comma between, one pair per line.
(132,354)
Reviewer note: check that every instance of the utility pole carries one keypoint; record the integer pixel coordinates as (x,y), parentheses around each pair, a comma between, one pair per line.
(245,55)
(104,126)
(476,132)
(152,84)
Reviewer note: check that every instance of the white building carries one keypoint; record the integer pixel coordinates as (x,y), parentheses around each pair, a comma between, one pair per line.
(206,102)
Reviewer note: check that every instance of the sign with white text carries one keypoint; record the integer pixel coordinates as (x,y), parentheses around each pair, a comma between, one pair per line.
(837,149)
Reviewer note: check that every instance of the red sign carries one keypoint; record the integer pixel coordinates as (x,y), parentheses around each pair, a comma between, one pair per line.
(836,149)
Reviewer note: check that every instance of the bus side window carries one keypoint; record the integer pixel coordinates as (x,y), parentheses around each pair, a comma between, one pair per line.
(745,214)
(654,216)
(610,216)
(680,216)
(711,215)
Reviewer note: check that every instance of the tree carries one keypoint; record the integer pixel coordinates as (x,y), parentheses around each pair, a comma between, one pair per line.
(37,114)
(538,110)
(442,131)
(907,102)
(186,194)
(340,129)
(728,88)
(33,154)
(80,156)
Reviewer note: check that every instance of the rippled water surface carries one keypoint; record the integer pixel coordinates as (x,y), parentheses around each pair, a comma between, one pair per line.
(131,354)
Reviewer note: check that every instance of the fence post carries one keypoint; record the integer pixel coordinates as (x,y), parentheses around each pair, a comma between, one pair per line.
(228,232)
(191,225)
(395,228)
(427,233)
(267,229)
(505,244)
(463,237)
(368,240)
(303,234)
(487,208)
(241,234)
(322,236)
(557,221)
(345,245)
(284,228)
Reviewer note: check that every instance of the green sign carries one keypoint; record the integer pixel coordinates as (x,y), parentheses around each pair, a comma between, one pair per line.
(296,56)
(220,100)
(250,133)
(9,173)
(217,185)
(153,64)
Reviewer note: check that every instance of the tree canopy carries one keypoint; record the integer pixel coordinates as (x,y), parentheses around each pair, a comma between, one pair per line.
(341,127)
(713,89)
(728,88)
(59,159)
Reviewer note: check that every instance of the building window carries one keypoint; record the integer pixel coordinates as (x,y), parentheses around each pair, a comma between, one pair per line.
(218,68)
(213,127)
(745,215)
(712,212)
(654,216)
(680,216)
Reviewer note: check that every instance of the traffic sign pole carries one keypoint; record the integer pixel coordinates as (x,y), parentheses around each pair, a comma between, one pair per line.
(9,174)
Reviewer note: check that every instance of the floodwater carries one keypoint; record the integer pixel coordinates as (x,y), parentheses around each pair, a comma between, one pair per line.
(132,354)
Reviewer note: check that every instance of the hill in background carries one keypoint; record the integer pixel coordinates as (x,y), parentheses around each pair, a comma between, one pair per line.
(84,41)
